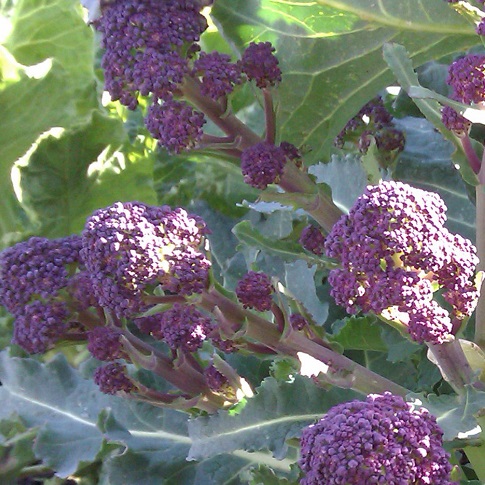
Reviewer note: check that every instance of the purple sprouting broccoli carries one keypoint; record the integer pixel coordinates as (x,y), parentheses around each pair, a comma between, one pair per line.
(33,277)
(104,344)
(380,440)
(313,240)
(261,65)
(175,124)
(218,74)
(254,290)
(216,381)
(262,164)
(373,120)
(40,325)
(467,78)
(454,121)
(36,268)
(183,327)
(113,379)
(147,44)
(394,252)
(298,321)
(130,245)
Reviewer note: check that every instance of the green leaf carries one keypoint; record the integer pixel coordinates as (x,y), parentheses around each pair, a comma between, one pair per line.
(277,413)
(359,333)
(60,94)
(455,414)
(69,176)
(301,283)
(330,54)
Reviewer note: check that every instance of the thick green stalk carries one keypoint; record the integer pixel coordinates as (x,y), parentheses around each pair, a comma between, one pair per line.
(480,244)
(255,328)
(453,364)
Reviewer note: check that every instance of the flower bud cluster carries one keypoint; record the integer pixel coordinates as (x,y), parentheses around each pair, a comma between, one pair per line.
(395,252)
(373,120)
(33,274)
(380,440)
(254,290)
(130,245)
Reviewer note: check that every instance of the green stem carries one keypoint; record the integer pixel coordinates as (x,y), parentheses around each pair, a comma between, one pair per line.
(480,244)
(258,329)
(453,364)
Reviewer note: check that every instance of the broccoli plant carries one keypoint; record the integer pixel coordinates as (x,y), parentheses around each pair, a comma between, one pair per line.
(242,242)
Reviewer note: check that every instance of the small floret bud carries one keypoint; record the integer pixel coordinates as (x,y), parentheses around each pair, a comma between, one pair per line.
(298,321)
(40,326)
(380,440)
(313,240)
(219,74)
(254,290)
(480,30)
(104,344)
(467,78)
(38,266)
(183,327)
(216,381)
(112,379)
(175,124)
(262,164)
(454,121)
(261,65)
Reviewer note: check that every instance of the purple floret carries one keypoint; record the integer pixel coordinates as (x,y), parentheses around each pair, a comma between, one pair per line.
(467,78)
(216,381)
(254,290)
(313,240)
(298,321)
(219,74)
(38,267)
(40,326)
(104,344)
(262,164)
(454,121)
(175,124)
(261,65)
(184,327)
(130,245)
(111,379)
(146,43)
(392,246)
(380,440)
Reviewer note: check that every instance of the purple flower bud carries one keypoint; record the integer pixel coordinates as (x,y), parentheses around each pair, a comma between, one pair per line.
(216,381)
(219,74)
(380,440)
(111,379)
(454,121)
(259,63)
(480,30)
(313,240)
(467,78)
(298,321)
(184,327)
(40,326)
(175,125)
(38,266)
(262,164)
(254,290)
(104,344)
